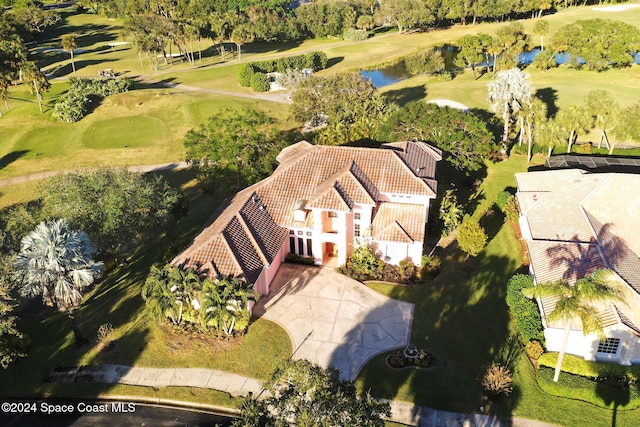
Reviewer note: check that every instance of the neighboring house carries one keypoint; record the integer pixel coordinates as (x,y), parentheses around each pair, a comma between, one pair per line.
(575,222)
(320,202)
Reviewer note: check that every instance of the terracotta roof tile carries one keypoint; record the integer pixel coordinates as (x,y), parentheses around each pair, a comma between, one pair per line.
(399,222)
(243,250)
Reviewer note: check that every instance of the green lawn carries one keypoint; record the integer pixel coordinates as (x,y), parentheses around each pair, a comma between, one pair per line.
(141,340)
(461,316)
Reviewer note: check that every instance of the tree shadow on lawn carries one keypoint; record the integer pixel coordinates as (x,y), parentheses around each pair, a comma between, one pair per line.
(405,95)
(67,70)
(116,300)
(11,157)
(549,96)
(462,318)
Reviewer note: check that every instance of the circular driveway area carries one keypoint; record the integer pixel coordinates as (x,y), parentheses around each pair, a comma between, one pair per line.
(334,320)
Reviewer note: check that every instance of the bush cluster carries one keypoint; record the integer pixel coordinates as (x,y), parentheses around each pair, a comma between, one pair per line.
(246,74)
(365,264)
(579,366)
(73,105)
(601,391)
(351,34)
(525,311)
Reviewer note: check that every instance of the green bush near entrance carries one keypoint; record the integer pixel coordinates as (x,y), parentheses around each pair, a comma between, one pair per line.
(525,311)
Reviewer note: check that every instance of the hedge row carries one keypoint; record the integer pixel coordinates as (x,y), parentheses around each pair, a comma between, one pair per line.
(73,105)
(585,368)
(604,391)
(247,72)
(525,311)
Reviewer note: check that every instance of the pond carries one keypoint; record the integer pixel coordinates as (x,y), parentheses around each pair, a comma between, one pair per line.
(387,75)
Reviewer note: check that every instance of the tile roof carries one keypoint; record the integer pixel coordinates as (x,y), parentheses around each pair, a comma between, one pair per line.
(581,222)
(251,228)
(399,222)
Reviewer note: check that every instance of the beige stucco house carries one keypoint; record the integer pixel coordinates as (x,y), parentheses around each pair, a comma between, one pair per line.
(575,222)
(320,203)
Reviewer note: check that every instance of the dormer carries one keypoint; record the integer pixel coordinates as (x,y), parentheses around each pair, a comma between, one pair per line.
(299,211)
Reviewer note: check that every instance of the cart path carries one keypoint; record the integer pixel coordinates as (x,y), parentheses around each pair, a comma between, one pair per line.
(140,168)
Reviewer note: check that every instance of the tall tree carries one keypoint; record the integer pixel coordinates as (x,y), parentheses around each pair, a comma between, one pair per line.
(38,82)
(575,119)
(580,301)
(628,123)
(513,41)
(550,134)
(535,113)
(301,393)
(234,148)
(12,55)
(347,104)
(70,43)
(241,35)
(117,208)
(604,110)
(541,28)
(507,94)
(406,14)
(9,334)
(472,51)
(463,137)
(56,262)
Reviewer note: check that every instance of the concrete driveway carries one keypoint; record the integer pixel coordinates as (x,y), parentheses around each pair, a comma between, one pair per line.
(334,320)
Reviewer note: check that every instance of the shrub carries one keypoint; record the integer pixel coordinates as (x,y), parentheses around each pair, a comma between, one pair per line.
(245,73)
(534,349)
(430,268)
(525,311)
(586,368)
(425,62)
(511,211)
(290,78)
(502,199)
(584,148)
(471,237)
(363,264)
(497,380)
(316,60)
(450,212)
(605,391)
(299,259)
(72,106)
(260,82)
(104,332)
(351,34)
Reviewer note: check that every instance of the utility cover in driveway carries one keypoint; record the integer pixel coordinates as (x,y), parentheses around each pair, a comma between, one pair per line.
(334,320)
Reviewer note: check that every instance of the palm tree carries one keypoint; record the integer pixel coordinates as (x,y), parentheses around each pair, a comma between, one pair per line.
(56,262)
(240,35)
(541,28)
(549,133)
(508,93)
(169,291)
(574,119)
(535,114)
(70,43)
(38,83)
(578,300)
(225,301)
(605,110)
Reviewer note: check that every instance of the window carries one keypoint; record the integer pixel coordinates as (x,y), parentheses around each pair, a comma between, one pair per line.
(356,230)
(309,245)
(300,246)
(332,214)
(299,233)
(609,346)
(292,244)
(309,233)
(356,216)
(292,232)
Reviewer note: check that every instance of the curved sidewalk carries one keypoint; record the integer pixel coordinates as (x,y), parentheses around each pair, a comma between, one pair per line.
(238,385)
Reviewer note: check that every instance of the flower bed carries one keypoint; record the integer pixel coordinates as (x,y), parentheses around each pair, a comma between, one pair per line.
(410,358)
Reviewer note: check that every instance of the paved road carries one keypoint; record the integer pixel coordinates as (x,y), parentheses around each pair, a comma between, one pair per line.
(116,414)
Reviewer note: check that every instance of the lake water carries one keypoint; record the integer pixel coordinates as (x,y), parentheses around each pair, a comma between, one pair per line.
(387,75)
(394,73)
